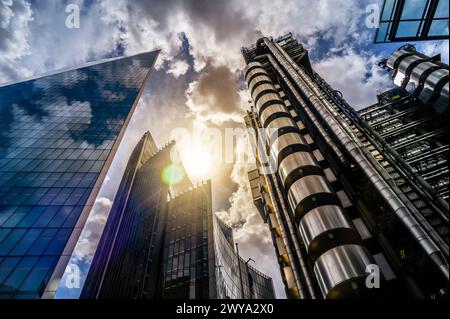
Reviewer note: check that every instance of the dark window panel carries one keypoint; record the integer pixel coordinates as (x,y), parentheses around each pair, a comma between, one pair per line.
(39,276)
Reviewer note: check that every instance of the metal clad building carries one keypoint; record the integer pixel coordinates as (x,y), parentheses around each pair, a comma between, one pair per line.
(337,198)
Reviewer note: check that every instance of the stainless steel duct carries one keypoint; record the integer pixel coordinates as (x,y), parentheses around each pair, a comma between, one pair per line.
(322,229)
(336,279)
(304,181)
(300,255)
(417,73)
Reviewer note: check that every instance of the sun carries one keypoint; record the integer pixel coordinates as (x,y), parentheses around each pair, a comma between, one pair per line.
(197,162)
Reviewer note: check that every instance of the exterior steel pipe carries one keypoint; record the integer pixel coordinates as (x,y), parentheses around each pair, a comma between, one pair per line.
(305,192)
(298,250)
(346,129)
(285,140)
(295,160)
(440,243)
(313,187)
(310,114)
(418,74)
(347,139)
(396,57)
(268,111)
(287,245)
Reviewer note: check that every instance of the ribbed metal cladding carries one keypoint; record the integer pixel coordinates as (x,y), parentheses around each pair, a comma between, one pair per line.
(322,229)
(420,75)
(396,57)
(336,278)
(322,221)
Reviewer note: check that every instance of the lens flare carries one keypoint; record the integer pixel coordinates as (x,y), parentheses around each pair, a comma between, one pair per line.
(172,174)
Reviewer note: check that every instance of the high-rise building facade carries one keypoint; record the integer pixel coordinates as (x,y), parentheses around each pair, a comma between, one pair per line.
(341,204)
(200,260)
(235,278)
(413,20)
(58,135)
(123,259)
(188,252)
(161,239)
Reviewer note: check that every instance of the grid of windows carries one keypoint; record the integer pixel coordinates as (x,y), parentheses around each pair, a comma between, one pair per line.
(186,255)
(56,133)
(418,137)
(127,258)
(408,20)
(235,278)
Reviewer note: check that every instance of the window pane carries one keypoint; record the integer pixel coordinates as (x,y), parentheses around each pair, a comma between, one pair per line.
(59,241)
(44,239)
(388,7)
(7,266)
(39,275)
(413,9)
(439,27)
(32,216)
(9,242)
(442,9)
(407,29)
(25,243)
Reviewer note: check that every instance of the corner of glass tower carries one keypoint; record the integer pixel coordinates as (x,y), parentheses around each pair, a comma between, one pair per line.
(58,136)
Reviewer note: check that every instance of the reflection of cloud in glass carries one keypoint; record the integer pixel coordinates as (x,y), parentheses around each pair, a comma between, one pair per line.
(85,249)
(56,133)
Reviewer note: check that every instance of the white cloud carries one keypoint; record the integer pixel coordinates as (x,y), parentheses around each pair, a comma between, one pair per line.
(15,17)
(178,68)
(431,48)
(250,232)
(356,75)
(214,96)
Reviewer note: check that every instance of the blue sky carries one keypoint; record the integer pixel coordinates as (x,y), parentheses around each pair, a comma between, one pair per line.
(198,80)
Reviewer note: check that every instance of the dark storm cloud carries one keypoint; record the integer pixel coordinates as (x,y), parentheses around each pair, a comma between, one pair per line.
(220,15)
(219,86)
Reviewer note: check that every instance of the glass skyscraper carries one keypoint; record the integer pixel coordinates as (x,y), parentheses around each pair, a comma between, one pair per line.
(162,240)
(58,135)
(127,260)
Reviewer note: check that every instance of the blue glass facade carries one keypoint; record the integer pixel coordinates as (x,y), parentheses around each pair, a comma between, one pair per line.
(413,20)
(58,135)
